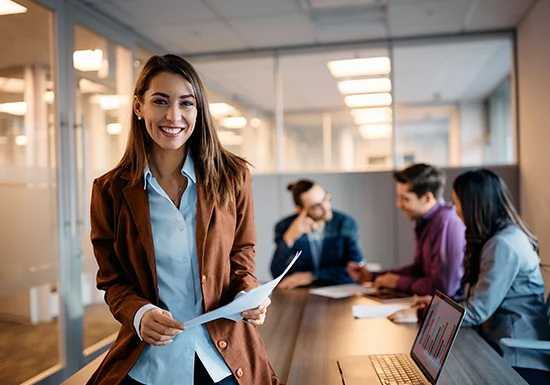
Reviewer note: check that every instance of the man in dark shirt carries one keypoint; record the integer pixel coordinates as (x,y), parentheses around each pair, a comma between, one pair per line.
(439,237)
(327,238)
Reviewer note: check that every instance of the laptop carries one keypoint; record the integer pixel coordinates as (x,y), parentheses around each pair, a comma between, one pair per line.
(424,364)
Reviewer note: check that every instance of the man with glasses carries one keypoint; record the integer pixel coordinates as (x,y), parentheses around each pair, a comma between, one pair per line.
(327,238)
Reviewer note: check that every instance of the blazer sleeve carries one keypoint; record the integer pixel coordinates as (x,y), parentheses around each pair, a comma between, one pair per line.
(120,294)
(243,250)
(283,254)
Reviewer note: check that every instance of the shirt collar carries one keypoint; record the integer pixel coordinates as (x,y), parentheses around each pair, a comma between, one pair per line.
(188,170)
(433,210)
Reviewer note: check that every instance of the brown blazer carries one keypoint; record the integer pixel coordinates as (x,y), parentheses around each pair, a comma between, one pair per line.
(123,246)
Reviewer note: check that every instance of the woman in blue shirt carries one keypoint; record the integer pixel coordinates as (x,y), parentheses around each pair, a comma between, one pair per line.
(173,234)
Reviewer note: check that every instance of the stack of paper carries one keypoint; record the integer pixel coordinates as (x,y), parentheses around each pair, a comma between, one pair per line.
(375,311)
(342,291)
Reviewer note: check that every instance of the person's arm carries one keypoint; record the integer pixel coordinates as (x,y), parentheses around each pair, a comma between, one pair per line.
(499,268)
(121,296)
(243,250)
(283,254)
(446,269)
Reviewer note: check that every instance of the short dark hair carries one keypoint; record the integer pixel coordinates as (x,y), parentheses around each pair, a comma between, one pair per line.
(298,188)
(422,179)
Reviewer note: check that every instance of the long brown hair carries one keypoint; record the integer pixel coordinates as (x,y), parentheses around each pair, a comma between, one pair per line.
(222,172)
(487,209)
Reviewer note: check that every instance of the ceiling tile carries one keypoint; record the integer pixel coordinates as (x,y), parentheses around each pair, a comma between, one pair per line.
(427,17)
(493,14)
(147,12)
(247,8)
(280,30)
(351,33)
(196,38)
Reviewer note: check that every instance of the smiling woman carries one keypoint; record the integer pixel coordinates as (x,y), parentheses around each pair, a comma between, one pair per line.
(175,187)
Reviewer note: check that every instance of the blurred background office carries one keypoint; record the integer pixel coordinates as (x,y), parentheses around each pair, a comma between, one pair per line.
(340,91)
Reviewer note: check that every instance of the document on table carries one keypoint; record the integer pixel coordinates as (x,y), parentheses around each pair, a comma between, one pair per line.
(343,291)
(244,301)
(376,311)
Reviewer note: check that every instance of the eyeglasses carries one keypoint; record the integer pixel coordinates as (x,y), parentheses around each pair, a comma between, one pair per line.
(319,206)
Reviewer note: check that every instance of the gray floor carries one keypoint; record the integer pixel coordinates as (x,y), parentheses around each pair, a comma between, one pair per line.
(28,350)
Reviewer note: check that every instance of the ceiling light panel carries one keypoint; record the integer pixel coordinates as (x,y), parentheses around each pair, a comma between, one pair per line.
(364,86)
(372,115)
(360,67)
(234,122)
(8,7)
(368,100)
(88,60)
(376,131)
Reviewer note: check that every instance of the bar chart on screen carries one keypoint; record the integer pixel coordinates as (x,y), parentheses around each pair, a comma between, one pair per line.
(436,335)
(436,344)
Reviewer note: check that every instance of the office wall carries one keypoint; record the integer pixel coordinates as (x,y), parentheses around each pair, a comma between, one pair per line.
(385,236)
(533,55)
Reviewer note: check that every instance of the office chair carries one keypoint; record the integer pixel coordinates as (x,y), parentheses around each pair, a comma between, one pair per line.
(522,343)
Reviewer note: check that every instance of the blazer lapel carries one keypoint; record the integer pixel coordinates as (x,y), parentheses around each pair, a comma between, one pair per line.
(204,215)
(326,241)
(138,202)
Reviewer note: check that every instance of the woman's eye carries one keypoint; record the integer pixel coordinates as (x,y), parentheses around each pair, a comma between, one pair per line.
(159,101)
(187,103)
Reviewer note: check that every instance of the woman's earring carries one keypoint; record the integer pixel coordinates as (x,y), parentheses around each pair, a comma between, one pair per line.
(139,117)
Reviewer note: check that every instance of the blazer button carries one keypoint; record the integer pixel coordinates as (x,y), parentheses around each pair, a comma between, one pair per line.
(204,279)
(239,373)
(222,344)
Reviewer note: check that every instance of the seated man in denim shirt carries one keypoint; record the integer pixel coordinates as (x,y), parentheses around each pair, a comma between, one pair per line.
(327,238)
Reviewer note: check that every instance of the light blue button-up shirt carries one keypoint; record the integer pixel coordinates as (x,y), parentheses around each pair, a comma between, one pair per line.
(179,289)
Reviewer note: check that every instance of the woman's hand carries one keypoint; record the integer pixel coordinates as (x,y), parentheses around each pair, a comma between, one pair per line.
(257,316)
(158,327)
(410,315)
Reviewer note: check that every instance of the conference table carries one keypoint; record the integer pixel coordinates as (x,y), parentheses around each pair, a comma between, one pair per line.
(305,335)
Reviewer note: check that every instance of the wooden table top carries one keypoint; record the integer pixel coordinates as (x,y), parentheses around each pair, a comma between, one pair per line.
(329,332)
(305,334)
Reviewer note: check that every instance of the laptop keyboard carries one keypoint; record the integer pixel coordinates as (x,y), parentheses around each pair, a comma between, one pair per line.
(396,369)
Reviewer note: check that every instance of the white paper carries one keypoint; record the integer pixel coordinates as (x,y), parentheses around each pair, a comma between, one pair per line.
(376,311)
(342,291)
(245,301)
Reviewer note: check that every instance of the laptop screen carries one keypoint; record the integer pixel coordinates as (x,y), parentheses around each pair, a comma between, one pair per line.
(436,335)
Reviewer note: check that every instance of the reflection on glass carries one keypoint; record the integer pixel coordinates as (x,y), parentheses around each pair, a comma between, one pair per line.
(242,102)
(453,103)
(337,111)
(29,332)
(104,79)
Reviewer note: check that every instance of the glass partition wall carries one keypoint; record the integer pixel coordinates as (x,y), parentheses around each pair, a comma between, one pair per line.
(372,107)
(65,94)
(29,328)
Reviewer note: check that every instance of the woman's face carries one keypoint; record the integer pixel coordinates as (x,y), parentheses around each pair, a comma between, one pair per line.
(169,110)
(458,206)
